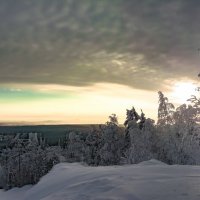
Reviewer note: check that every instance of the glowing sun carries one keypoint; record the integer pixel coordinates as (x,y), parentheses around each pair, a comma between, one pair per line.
(183,91)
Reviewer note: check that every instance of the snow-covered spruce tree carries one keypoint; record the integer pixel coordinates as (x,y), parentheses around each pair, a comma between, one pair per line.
(138,137)
(178,137)
(132,118)
(187,133)
(165,110)
(195,102)
(2,178)
(149,138)
(91,154)
(175,147)
(25,163)
(33,165)
(142,120)
(186,118)
(113,119)
(4,168)
(12,163)
(111,142)
(75,148)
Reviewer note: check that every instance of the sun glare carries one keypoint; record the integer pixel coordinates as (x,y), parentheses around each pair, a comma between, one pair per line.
(183,91)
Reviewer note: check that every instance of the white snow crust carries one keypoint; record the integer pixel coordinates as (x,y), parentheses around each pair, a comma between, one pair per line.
(149,180)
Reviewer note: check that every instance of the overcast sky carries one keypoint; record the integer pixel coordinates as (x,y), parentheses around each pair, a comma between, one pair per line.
(84,45)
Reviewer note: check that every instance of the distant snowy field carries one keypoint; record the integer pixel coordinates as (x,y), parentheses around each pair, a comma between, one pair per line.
(150,180)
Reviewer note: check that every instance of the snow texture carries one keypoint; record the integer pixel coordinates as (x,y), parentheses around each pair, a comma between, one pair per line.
(149,180)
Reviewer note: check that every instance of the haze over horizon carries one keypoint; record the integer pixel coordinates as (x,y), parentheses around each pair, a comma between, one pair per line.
(80,61)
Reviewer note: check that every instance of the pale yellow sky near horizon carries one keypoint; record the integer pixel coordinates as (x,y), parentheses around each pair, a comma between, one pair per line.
(84,105)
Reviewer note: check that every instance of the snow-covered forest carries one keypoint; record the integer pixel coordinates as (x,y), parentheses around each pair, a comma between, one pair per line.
(174,139)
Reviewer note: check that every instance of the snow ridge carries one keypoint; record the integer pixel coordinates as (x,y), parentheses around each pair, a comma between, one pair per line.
(148,180)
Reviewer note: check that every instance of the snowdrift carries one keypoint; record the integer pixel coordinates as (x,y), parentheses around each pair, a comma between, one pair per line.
(149,180)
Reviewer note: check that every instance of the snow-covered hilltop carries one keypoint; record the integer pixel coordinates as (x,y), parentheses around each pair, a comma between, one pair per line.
(149,180)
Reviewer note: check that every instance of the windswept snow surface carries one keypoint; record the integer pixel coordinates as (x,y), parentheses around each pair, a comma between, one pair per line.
(149,180)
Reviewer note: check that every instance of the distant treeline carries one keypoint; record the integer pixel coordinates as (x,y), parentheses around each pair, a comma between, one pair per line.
(51,133)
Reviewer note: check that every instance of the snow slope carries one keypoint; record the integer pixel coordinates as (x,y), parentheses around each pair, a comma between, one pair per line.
(148,180)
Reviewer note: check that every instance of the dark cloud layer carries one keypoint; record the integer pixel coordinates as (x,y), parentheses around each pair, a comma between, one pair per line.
(80,42)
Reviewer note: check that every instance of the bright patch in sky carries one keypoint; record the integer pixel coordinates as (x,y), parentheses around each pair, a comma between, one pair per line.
(182,91)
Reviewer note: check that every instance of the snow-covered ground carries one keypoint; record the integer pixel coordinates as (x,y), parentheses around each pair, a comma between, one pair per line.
(147,180)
